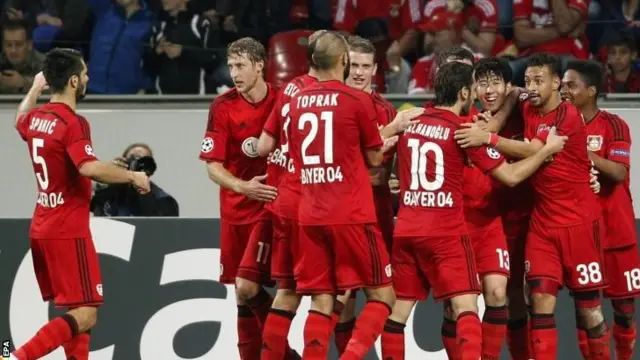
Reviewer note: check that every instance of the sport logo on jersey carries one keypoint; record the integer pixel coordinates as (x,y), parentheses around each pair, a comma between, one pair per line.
(493,153)
(620,152)
(594,142)
(523,96)
(88,150)
(250,147)
(207,145)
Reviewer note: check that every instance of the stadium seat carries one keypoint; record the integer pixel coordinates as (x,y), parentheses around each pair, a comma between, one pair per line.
(287,57)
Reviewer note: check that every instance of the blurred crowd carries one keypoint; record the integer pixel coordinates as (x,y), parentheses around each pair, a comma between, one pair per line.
(178,46)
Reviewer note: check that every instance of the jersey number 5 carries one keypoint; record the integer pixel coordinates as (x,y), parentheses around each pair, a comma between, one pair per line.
(419,165)
(43,178)
(327,117)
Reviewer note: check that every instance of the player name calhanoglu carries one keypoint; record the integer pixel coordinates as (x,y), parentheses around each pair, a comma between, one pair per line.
(436,132)
(43,126)
(319,100)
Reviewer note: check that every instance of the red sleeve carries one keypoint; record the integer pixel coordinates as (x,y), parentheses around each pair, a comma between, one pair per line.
(214,144)
(78,141)
(23,125)
(489,15)
(272,126)
(410,14)
(619,148)
(433,7)
(581,5)
(485,158)
(368,122)
(522,9)
(420,77)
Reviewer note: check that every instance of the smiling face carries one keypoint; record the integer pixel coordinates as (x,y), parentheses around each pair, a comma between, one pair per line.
(492,91)
(575,90)
(363,68)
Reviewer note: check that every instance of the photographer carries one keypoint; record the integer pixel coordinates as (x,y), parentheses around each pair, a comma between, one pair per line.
(124,200)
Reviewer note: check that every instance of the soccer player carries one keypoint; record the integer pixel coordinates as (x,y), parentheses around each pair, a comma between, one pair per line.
(230,149)
(281,174)
(564,243)
(431,245)
(334,133)
(493,83)
(64,257)
(609,144)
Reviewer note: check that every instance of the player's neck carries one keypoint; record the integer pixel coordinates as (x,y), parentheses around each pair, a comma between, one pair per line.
(589,112)
(313,73)
(257,93)
(554,101)
(330,75)
(368,90)
(68,100)
(456,109)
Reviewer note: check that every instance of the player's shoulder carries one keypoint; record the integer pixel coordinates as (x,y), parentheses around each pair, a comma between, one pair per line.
(381,101)
(225,99)
(435,115)
(618,126)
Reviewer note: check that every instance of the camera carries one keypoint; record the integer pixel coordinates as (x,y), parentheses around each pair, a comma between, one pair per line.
(145,163)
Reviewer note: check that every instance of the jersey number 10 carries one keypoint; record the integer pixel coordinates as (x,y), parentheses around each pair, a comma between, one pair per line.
(419,165)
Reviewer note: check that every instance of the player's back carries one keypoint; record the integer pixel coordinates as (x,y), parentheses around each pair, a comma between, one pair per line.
(280,169)
(564,194)
(332,126)
(430,169)
(62,209)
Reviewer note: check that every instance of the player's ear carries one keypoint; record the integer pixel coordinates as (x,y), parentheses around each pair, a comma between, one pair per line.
(260,65)
(74,81)
(592,91)
(556,82)
(464,94)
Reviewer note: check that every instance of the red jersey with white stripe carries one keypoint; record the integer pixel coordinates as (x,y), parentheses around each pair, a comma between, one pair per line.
(404,15)
(59,143)
(608,136)
(481,14)
(280,169)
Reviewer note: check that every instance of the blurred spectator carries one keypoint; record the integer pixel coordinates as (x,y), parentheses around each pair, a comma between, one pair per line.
(220,33)
(404,20)
(178,53)
(425,69)
(622,76)
(552,26)
(19,63)
(124,200)
(60,21)
(118,43)
(475,22)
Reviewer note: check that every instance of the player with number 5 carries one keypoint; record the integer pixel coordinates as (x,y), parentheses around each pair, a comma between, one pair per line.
(432,247)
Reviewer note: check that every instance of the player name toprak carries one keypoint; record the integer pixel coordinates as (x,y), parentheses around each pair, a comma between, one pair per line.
(42,125)
(320,100)
(430,131)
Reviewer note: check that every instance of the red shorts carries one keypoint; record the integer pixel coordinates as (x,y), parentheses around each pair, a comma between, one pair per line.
(335,258)
(516,245)
(445,263)
(571,256)
(285,238)
(490,249)
(245,252)
(68,271)
(622,266)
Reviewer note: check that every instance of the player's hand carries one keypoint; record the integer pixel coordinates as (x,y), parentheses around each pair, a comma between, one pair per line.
(12,79)
(39,82)
(471,135)
(394,184)
(378,175)
(594,183)
(405,118)
(389,143)
(256,190)
(141,182)
(555,143)
(120,162)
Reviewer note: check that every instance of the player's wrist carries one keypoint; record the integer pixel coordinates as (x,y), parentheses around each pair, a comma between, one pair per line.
(493,140)
(237,186)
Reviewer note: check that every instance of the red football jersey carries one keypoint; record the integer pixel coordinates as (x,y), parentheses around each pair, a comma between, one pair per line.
(348,13)
(386,112)
(480,14)
(430,169)
(608,136)
(564,196)
(231,138)
(59,143)
(422,75)
(539,13)
(404,15)
(331,126)
(280,169)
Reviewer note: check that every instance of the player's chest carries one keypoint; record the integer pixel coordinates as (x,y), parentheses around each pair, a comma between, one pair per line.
(596,138)
(244,135)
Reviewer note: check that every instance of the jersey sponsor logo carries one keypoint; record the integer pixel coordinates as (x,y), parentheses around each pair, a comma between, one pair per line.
(594,142)
(542,128)
(89,150)
(620,152)
(250,147)
(99,289)
(493,153)
(523,96)
(207,145)
(387,270)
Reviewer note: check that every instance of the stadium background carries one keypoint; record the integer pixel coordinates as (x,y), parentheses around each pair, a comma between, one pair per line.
(161,301)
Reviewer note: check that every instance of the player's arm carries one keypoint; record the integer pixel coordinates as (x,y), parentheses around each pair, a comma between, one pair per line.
(401,122)
(108,173)
(471,135)
(570,16)
(514,173)
(526,35)
(269,137)
(611,169)
(30,100)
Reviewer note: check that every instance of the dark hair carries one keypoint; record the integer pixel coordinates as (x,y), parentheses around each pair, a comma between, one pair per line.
(361,45)
(455,53)
(450,79)
(16,24)
(493,66)
(60,64)
(543,59)
(137,145)
(624,38)
(249,47)
(591,73)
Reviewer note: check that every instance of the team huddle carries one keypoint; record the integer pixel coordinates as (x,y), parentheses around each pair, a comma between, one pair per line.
(513,199)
